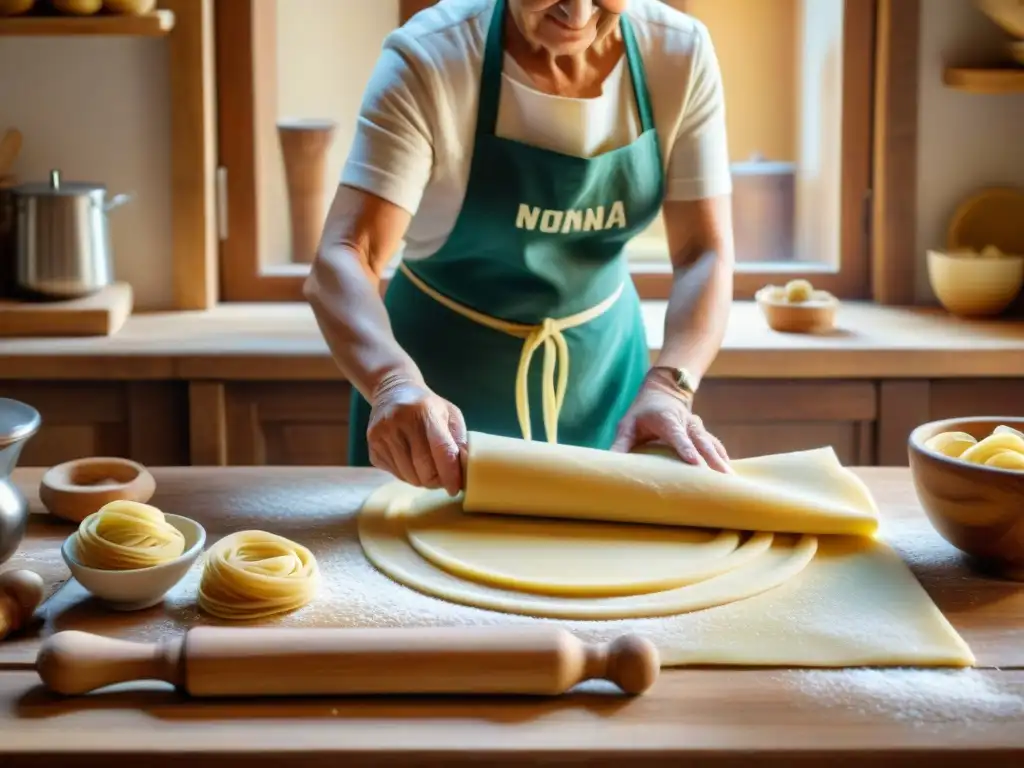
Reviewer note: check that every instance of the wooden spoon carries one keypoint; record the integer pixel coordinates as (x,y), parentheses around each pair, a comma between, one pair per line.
(10,146)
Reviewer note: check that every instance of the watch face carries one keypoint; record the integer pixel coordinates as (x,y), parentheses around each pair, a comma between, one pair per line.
(684,379)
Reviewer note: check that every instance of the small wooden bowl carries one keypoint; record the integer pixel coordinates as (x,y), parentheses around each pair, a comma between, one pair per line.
(75,489)
(977,509)
(814,316)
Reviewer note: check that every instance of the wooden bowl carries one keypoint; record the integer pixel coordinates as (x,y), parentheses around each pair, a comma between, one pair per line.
(977,509)
(813,316)
(75,489)
(1008,14)
(975,286)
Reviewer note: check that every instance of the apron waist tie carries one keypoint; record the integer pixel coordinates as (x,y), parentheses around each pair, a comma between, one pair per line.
(556,350)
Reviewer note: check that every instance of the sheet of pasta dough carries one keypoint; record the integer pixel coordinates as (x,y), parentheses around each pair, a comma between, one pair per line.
(803,492)
(853,603)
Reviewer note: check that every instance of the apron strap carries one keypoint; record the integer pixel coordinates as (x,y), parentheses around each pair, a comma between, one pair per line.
(548,334)
(494,53)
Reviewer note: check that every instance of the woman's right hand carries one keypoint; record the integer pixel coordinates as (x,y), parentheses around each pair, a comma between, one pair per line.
(416,435)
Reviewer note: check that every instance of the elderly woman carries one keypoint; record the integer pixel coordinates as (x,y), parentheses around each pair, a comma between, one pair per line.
(516,146)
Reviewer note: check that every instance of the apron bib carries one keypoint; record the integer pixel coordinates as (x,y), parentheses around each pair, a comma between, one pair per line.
(526,318)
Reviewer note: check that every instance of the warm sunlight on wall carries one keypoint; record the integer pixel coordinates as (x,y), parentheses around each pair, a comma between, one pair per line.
(757,46)
(326,51)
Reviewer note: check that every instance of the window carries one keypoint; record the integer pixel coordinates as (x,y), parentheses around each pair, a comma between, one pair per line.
(798,80)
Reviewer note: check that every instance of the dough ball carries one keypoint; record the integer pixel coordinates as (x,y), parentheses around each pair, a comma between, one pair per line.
(991,445)
(952,444)
(774,293)
(130,7)
(15,7)
(799,291)
(78,7)
(1002,429)
(991,252)
(1007,460)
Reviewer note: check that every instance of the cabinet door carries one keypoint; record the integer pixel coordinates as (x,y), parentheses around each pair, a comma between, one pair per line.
(286,423)
(144,421)
(906,404)
(755,418)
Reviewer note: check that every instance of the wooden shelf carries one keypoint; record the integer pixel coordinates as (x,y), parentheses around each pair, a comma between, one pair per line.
(155,24)
(993,81)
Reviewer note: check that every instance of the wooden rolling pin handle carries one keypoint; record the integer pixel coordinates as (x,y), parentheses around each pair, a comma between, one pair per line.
(265,661)
(21,592)
(74,663)
(631,662)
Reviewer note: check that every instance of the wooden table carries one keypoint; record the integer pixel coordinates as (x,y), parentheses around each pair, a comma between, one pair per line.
(735,717)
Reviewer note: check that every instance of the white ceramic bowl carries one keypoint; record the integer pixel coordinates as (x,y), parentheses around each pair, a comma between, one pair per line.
(142,587)
(974,286)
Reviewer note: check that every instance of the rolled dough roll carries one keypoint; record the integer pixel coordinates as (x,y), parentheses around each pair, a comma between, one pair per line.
(806,492)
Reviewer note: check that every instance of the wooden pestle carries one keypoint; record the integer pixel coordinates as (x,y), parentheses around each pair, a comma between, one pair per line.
(304,147)
(21,592)
(257,661)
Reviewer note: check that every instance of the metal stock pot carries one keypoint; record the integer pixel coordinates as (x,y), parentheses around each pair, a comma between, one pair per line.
(62,238)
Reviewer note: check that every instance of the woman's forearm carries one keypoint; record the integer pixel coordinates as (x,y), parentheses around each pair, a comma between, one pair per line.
(346,302)
(698,313)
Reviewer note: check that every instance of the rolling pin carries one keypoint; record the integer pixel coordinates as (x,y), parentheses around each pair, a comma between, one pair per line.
(21,592)
(273,661)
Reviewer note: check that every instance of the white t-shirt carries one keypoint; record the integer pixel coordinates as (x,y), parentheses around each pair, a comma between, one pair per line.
(414,137)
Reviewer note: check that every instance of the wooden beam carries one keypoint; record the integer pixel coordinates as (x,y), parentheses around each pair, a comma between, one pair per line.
(894,185)
(193,153)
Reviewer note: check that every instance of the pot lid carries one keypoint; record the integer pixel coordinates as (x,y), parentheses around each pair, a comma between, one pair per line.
(57,186)
(17,421)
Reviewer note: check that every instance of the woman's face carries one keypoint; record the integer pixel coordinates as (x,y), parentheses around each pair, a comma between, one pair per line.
(564,27)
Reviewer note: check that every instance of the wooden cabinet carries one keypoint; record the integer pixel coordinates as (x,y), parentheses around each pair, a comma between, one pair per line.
(145,421)
(905,404)
(305,423)
(754,418)
(270,423)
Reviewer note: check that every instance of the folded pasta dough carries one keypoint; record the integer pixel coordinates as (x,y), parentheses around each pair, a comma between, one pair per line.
(803,492)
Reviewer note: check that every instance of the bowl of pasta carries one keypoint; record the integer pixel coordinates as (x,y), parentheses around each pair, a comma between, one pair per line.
(969,477)
(129,555)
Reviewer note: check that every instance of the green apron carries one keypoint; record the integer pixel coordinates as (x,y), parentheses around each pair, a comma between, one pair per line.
(540,237)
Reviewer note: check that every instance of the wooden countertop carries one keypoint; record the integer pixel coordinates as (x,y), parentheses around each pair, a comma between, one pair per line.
(246,341)
(718,717)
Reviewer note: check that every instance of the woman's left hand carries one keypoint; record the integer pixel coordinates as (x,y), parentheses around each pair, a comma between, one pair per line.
(661,415)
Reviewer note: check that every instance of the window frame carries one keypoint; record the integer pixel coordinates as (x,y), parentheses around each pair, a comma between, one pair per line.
(246,69)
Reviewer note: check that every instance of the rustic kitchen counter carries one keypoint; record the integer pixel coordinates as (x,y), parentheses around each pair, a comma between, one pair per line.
(723,717)
(282,342)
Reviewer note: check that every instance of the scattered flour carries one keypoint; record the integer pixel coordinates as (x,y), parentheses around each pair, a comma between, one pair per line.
(916,696)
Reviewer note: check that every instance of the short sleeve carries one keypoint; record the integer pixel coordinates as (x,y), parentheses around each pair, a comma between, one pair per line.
(698,164)
(392,150)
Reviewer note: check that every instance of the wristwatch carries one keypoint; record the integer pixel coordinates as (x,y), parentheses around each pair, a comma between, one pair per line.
(683,380)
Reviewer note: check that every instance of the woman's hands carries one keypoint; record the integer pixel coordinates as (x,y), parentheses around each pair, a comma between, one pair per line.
(661,414)
(416,435)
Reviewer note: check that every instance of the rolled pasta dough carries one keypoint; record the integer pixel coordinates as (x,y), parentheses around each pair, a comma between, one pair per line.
(568,559)
(802,492)
(382,533)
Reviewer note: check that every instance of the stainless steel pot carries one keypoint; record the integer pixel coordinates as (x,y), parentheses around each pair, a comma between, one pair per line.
(62,239)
